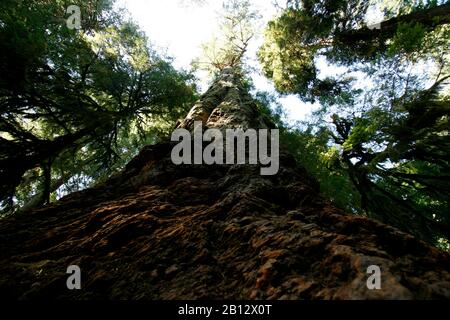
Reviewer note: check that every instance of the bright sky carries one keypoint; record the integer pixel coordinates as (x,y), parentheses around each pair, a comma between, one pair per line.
(179,27)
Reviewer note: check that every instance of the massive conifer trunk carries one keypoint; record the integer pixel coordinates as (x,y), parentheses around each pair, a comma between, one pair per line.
(158,230)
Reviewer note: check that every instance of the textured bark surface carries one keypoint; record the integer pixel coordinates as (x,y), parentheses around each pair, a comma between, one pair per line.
(227,104)
(160,231)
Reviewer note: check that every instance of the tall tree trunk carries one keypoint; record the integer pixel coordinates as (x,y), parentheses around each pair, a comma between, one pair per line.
(162,231)
(227,104)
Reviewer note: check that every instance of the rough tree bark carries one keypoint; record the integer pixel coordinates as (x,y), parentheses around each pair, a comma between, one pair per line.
(161,231)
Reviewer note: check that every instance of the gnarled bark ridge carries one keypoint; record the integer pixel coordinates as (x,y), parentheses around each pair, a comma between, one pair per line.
(161,231)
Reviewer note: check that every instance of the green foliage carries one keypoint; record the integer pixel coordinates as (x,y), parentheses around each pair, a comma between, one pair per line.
(408,38)
(307,30)
(238,23)
(388,135)
(283,42)
(76,105)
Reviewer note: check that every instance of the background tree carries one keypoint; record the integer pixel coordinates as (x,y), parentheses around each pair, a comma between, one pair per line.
(386,114)
(76,105)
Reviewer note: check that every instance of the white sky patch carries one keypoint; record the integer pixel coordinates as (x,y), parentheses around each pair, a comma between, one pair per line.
(374,15)
(297,109)
(326,69)
(179,30)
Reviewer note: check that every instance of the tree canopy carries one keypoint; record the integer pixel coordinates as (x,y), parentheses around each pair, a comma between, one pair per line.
(76,105)
(385,117)
(237,26)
